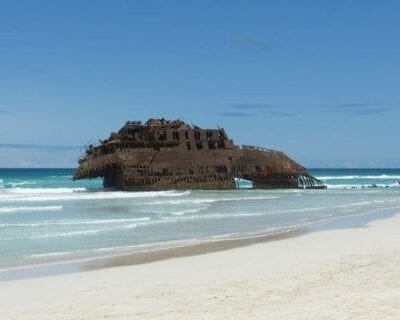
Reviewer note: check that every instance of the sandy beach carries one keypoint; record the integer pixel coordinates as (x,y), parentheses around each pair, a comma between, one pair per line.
(331,274)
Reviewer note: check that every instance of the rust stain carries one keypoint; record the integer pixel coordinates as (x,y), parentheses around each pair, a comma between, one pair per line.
(162,154)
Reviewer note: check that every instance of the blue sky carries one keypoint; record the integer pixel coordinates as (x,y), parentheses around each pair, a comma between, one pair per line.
(317,79)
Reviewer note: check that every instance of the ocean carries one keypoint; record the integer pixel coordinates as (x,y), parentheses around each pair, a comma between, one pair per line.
(46,218)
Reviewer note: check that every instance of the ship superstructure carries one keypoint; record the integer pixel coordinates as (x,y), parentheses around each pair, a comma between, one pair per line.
(162,154)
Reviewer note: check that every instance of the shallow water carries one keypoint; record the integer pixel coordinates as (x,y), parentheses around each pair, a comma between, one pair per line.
(46,217)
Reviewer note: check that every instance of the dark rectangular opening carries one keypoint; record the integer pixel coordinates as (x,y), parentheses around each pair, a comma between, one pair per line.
(221,169)
(175,135)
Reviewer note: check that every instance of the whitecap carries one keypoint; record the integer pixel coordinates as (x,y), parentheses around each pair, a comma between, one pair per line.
(60,194)
(17,184)
(352,177)
(75,222)
(70,234)
(29,209)
(180,213)
(212,200)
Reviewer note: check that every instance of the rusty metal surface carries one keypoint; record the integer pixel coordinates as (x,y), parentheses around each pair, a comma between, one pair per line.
(162,154)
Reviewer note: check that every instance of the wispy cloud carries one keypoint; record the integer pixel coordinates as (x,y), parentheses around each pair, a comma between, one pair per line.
(359,108)
(249,43)
(6,35)
(34,69)
(351,109)
(249,109)
(359,105)
(280,114)
(4,112)
(39,147)
(249,106)
(236,114)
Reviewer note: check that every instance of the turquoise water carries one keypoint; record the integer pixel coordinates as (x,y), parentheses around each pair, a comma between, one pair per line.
(45,217)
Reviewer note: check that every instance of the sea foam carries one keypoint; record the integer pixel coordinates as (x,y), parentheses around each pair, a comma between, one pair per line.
(366,177)
(61,194)
(30,208)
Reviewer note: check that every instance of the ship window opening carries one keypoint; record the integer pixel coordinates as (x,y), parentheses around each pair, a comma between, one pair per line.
(189,147)
(190,171)
(197,135)
(186,135)
(258,169)
(175,135)
(199,145)
(162,136)
(211,145)
(221,169)
(209,134)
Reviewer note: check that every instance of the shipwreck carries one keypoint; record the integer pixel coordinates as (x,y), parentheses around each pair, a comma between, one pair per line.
(162,154)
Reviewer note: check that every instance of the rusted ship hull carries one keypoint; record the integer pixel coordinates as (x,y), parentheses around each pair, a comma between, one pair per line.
(182,157)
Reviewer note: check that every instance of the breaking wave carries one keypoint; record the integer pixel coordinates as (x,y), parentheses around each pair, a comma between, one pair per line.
(208,200)
(29,209)
(74,222)
(17,184)
(183,212)
(69,234)
(366,177)
(58,194)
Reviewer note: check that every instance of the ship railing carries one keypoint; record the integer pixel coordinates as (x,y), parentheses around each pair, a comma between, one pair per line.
(248,147)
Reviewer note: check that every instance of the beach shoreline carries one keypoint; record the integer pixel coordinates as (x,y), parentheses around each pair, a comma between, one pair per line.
(326,274)
(193,248)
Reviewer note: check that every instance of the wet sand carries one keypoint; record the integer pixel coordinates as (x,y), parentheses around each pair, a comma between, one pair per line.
(351,273)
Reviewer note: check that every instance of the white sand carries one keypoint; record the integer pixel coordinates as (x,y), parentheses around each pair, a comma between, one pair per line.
(338,274)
